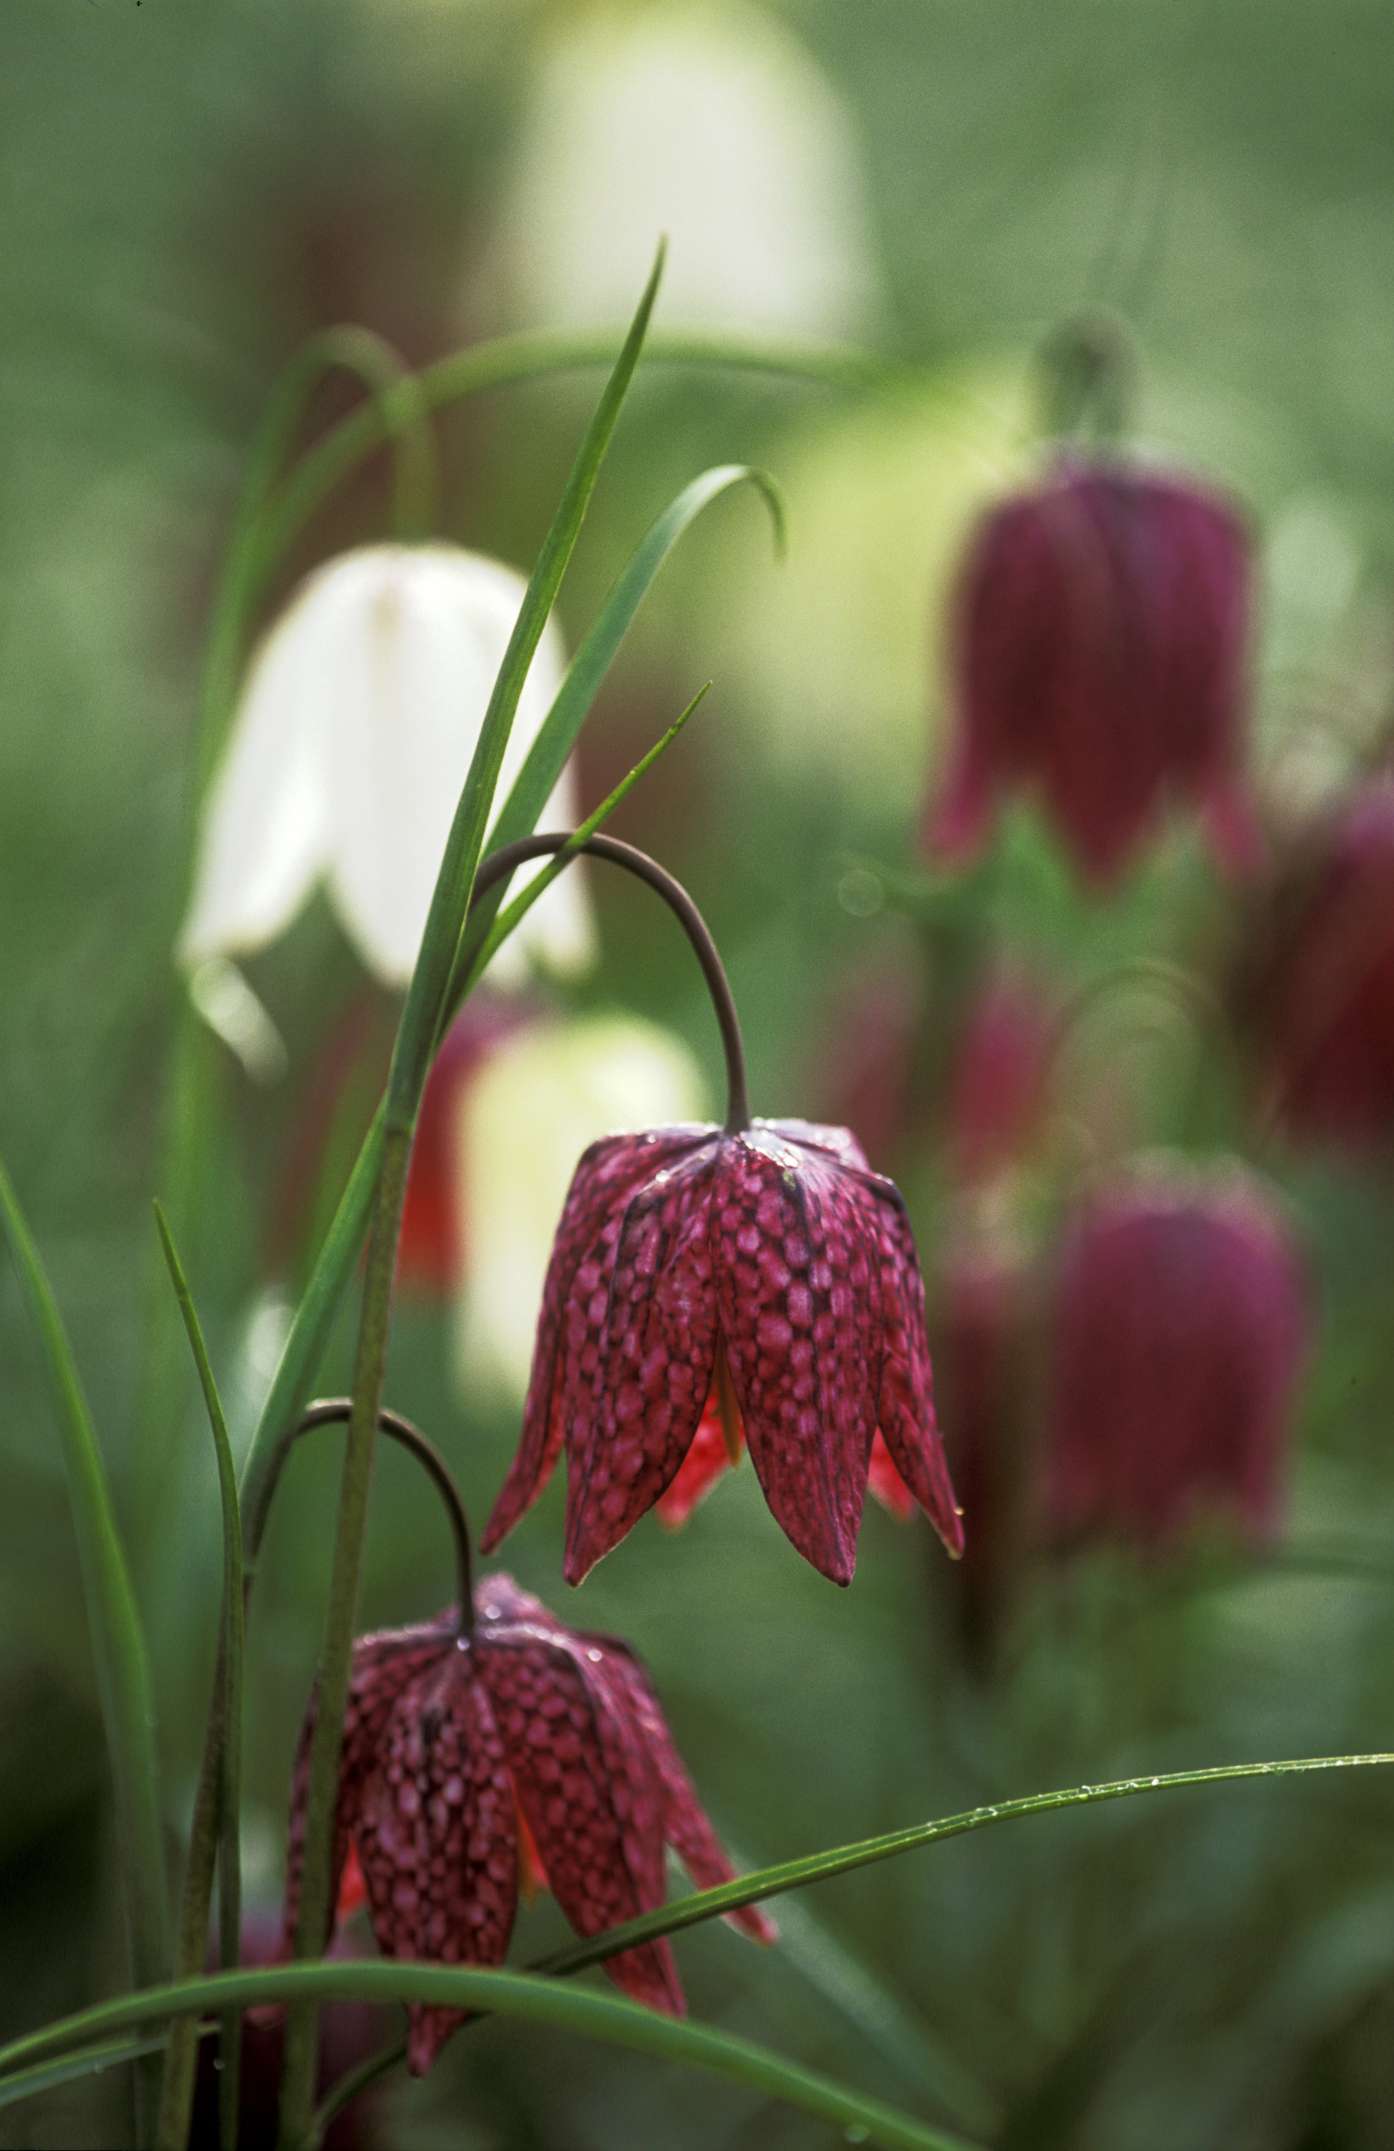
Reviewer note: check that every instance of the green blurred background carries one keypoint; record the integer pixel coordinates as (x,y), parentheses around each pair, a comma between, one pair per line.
(190,190)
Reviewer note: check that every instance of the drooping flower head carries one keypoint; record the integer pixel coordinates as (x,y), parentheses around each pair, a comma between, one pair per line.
(348,751)
(1318,997)
(1000,1075)
(769,1270)
(1098,662)
(526,1742)
(1179,1331)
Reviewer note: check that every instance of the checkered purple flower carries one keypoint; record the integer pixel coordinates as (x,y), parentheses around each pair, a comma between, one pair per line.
(769,1269)
(529,1747)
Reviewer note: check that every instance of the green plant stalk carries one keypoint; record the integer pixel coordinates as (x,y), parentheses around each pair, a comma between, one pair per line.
(401,415)
(225,1732)
(417,1034)
(585,2012)
(113,1618)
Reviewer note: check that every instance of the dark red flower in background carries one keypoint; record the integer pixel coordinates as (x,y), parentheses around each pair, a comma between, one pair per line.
(1318,995)
(1179,1331)
(772,1263)
(461,1758)
(1000,1077)
(1098,660)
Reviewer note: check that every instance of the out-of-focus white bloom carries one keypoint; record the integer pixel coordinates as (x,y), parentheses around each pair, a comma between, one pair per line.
(709,123)
(543,1095)
(360,713)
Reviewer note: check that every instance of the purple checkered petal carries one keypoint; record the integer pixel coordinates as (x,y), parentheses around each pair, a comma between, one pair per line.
(686,1824)
(908,1424)
(608,1174)
(437,1836)
(640,1357)
(382,1666)
(798,1291)
(589,1793)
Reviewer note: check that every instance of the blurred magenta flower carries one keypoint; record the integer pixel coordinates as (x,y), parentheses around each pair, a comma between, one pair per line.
(1180,1327)
(348,750)
(464,1750)
(772,1263)
(999,1080)
(1318,996)
(1099,661)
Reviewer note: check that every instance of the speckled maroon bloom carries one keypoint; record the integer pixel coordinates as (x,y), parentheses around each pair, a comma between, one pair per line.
(770,1266)
(1318,991)
(1098,660)
(1180,1327)
(461,1756)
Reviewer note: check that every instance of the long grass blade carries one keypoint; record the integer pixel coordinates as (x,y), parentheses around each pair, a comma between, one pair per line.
(585,2012)
(223,1829)
(118,1644)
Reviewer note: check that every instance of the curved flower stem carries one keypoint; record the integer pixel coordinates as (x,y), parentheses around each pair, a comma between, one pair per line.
(337,1411)
(502,864)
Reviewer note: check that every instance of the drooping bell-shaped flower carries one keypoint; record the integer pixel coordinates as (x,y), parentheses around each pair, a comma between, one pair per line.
(748,164)
(465,1754)
(1179,1330)
(1098,663)
(1318,995)
(348,750)
(767,1267)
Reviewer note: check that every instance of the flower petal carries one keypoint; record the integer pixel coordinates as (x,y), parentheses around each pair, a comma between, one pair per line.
(907,1391)
(686,1825)
(421,633)
(590,1794)
(437,1836)
(604,1179)
(640,1355)
(798,1294)
(382,1665)
(264,835)
(708,1456)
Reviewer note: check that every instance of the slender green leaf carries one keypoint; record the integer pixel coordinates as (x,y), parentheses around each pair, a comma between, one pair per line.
(818,1866)
(586,2012)
(118,1646)
(546,758)
(225,1733)
(87,2061)
(425,1002)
